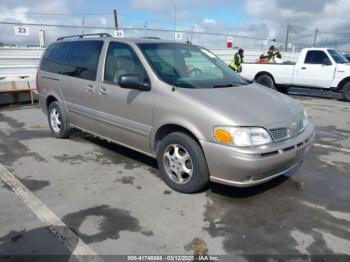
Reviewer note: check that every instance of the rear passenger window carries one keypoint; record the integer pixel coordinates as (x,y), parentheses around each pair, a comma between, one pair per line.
(53,58)
(316,57)
(81,59)
(120,60)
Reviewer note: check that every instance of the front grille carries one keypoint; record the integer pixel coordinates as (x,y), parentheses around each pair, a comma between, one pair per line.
(276,171)
(279,134)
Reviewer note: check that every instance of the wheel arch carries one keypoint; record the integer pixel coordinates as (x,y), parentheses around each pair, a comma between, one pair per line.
(343,82)
(49,100)
(166,129)
(265,73)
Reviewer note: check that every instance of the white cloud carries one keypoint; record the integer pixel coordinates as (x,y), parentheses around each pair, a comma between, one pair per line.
(326,15)
(103,21)
(209,21)
(152,5)
(33,11)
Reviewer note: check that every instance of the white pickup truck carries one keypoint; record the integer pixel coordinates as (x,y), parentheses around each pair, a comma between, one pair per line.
(316,68)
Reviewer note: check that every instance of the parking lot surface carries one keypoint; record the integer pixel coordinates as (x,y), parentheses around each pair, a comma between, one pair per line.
(114,201)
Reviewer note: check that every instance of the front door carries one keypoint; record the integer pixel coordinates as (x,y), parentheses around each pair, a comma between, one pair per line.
(125,114)
(317,70)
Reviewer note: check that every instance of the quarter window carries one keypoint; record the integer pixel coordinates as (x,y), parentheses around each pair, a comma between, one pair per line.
(53,58)
(76,59)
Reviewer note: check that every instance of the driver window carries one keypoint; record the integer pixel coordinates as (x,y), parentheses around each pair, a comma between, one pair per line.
(120,60)
(316,57)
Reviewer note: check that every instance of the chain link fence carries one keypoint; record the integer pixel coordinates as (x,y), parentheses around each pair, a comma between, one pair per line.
(208,39)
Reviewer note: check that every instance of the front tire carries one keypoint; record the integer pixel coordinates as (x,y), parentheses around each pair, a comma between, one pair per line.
(58,121)
(266,80)
(346,92)
(182,163)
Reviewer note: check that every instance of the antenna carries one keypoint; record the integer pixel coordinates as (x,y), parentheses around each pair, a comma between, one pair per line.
(173,89)
(175,19)
(146,25)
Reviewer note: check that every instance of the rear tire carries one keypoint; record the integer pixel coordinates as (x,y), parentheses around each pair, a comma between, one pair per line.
(182,163)
(266,80)
(283,89)
(346,92)
(58,121)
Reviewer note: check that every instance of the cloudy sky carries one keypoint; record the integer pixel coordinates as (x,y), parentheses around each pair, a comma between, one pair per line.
(251,18)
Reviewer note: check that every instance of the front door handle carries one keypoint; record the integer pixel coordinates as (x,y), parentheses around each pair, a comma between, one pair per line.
(303,68)
(103,91)
(90,89)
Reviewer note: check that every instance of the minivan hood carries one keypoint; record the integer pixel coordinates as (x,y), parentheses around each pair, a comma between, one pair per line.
(248,105)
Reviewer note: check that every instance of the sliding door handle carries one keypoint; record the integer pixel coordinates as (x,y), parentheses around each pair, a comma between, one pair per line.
(103,91)
(90,89)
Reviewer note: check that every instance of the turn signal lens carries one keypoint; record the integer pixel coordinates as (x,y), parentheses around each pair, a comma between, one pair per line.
(242,136)
(223,136)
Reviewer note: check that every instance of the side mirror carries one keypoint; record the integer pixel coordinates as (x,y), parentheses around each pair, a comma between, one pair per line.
(327,62)
(130,81)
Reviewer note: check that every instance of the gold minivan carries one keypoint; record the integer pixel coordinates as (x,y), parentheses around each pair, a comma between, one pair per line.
(176,102)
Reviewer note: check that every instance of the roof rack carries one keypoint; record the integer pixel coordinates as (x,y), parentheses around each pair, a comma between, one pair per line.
(82,36)
(150,37)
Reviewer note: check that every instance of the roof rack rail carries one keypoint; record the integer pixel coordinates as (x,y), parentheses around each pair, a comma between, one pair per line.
(84,35)
(150,37)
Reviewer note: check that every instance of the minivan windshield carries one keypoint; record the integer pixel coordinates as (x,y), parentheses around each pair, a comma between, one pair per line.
(338,57)
(189,66)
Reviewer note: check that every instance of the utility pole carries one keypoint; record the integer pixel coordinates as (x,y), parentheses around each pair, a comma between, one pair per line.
(287,37)
(315,40)
(115,19)
(82,26)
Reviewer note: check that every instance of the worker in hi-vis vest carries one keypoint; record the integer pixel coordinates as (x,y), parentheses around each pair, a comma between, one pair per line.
(272,55)
(237,60)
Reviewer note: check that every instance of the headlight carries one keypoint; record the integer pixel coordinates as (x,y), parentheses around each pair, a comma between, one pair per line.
(305,120)
(242,136)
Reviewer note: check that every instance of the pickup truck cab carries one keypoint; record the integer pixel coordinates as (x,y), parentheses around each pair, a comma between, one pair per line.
(316,68)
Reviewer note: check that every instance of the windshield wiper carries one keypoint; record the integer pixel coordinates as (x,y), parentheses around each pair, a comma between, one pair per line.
(229,85)
(219,86)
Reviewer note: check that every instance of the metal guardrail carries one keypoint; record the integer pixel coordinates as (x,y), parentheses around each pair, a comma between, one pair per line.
(19,61)
(18,67)
(25,61)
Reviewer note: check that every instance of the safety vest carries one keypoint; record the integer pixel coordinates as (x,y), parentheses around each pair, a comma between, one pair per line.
(233,64)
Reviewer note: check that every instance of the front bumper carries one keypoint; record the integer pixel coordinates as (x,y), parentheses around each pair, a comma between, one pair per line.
(252,166)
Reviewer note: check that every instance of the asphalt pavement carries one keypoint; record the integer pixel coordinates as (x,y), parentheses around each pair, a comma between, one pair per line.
(110,200)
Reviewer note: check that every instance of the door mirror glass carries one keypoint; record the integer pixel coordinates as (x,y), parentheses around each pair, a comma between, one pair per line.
(131,81)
